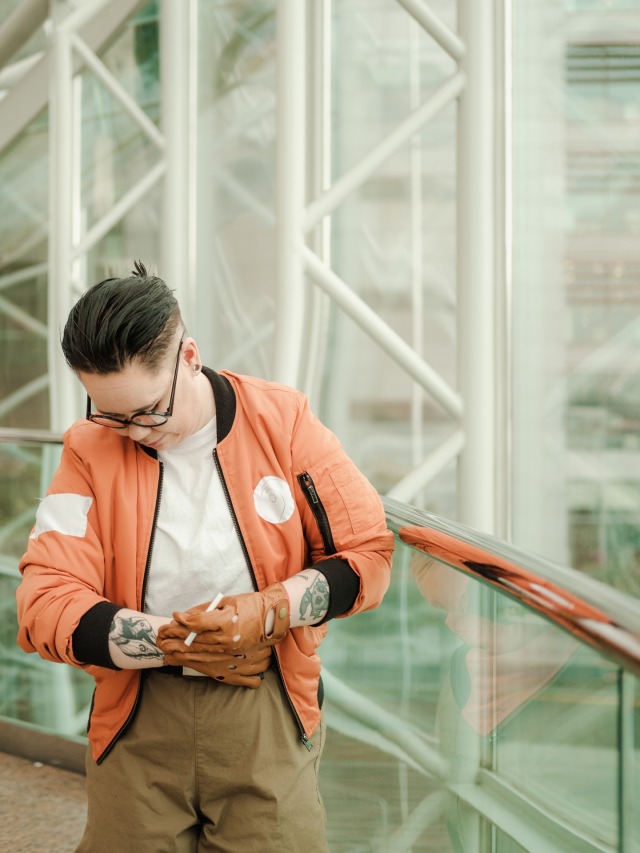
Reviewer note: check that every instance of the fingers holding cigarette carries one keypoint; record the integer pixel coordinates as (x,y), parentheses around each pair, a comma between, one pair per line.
(216,601)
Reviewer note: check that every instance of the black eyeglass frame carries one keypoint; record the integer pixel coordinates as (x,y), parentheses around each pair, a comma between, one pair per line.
(160,418)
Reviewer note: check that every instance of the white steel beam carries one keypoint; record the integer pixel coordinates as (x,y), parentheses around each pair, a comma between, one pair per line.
(476,211)
(22,318)
(29,96)
(383,334)
(20,25)
(413,827)
(319,152)
(291,134)
(11,74)
(412,483)
(119,92)
(119,210)
(61,156)
(431,23)
(356,176)
(627,758)
(23,274)
(504,269)
(178,69)
(417,247)
(23,393)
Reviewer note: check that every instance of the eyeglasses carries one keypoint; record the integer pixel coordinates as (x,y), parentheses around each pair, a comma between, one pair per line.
(149,419)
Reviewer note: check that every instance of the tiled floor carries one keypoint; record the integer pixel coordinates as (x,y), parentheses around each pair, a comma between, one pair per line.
(42,808)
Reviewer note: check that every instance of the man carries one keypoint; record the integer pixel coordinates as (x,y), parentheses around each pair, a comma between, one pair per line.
(183,484)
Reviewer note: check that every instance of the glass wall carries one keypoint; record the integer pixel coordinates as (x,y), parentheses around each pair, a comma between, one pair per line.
(576,282)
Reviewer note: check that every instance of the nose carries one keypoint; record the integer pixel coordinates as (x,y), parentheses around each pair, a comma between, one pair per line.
(138,433)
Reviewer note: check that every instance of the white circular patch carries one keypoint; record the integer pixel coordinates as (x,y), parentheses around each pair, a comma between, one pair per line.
(273,500)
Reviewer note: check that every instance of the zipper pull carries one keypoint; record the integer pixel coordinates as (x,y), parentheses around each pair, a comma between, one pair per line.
(311,488)
(307,743)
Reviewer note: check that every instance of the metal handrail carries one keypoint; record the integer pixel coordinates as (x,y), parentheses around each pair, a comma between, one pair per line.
(29,436)
(595,613)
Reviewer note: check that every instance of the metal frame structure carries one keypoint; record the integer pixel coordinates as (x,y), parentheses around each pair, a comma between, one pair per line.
(302,226)
(473,406)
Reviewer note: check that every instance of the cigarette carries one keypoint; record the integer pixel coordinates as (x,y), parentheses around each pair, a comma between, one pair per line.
(216,601)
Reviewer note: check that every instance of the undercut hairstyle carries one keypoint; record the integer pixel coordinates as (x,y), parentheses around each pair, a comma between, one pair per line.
(121,320)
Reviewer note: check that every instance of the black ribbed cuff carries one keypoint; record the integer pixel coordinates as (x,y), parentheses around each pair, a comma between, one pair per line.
(91,638)
(344,586)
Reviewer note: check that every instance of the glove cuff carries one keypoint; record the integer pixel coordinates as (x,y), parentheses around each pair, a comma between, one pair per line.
(275,598)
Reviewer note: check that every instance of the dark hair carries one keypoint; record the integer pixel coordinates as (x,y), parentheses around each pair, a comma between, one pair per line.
(119,320)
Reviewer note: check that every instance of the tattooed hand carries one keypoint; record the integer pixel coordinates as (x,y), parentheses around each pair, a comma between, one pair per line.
(315,597)
(134,636)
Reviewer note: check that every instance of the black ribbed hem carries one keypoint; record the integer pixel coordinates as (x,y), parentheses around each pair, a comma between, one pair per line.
(344,586)
(91,638)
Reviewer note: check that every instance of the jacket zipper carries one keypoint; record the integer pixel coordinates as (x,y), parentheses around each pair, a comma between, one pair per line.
(303,735)
(319,512)
(145,577)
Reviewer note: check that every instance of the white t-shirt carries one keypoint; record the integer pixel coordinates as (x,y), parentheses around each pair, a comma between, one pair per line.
(196,551)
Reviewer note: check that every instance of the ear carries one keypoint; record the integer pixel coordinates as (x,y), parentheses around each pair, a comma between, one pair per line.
(191,355)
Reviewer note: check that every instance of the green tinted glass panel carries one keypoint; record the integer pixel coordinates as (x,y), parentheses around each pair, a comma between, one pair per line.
(460,720)
(52,697)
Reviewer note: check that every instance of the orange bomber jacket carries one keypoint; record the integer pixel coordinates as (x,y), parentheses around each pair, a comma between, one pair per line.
(297,499)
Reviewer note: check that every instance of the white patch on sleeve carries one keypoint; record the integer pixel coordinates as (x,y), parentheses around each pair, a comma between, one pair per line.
(273,500)
(66,514)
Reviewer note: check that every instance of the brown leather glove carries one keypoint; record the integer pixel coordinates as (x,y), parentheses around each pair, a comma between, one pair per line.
(238,622)
(238,669)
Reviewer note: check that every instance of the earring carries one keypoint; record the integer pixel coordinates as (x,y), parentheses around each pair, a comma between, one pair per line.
(196,368)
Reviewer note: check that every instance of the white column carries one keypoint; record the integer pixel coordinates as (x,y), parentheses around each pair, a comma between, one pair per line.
(63,391)
(319,159)
(476,266)
(178,56)
(291,75)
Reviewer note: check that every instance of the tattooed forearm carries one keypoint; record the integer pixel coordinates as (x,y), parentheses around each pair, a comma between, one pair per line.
(315,599)
(135,637)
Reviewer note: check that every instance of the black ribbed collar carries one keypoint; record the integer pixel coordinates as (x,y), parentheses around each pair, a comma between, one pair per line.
(225,398)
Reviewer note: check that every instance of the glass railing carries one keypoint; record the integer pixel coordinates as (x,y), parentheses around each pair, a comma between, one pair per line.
(489,704)
(34,693)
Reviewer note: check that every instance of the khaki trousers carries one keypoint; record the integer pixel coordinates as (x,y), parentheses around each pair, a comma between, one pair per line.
(207,767)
